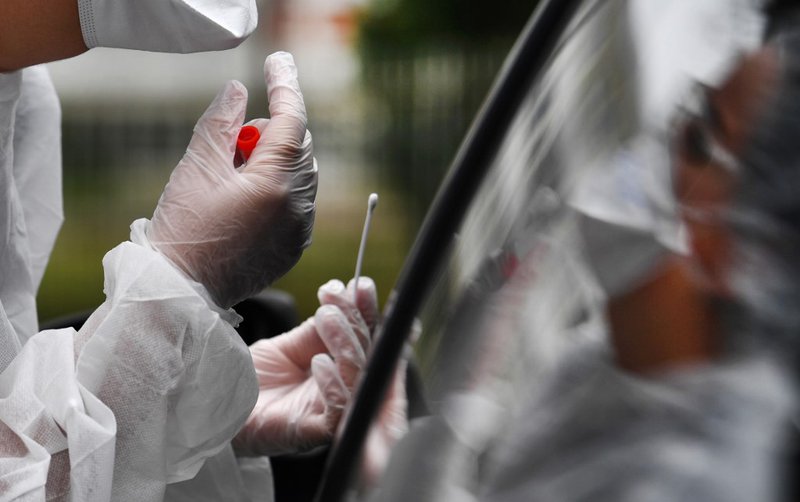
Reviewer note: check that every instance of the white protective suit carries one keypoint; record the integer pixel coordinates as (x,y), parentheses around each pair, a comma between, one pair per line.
(711,432)
(167,26)
(154,383)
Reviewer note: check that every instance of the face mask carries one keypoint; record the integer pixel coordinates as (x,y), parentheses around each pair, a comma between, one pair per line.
(167,25)
(627,215)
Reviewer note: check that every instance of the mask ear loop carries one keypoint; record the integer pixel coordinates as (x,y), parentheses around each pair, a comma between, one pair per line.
(714,153)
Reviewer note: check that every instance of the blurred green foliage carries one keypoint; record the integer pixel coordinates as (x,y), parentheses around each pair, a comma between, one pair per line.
(396,25)
(430,65)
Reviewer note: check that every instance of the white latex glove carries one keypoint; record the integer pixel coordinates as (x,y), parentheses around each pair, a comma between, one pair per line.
(391,423)
(307,376)
(237,230)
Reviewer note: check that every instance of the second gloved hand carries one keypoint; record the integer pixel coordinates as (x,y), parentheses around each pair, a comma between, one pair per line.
(306,376)
(236,231)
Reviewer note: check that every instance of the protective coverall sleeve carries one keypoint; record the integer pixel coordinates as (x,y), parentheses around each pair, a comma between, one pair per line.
(155,382)
(37,166)
(177,26)
(709,433)
(170,366)
(56,438)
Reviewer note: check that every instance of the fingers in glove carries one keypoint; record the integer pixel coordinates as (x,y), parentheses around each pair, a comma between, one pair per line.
(214,140)
(395,407)
(298,345)
(386,431)
(285,133)
(334,292)
(342,342)
(284,156)
(366,300)
(305,181)
(335,393)
(263,162)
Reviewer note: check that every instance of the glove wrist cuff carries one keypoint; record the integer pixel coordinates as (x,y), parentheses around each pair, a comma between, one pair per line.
(139,236)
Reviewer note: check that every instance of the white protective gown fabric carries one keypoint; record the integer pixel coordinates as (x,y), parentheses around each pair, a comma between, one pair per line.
(228,478)
(155,382)
(30,190)
(37,166)
(178,26)
(590,432)
(711,433)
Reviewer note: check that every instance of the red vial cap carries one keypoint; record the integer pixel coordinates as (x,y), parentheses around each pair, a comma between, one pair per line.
(248,138)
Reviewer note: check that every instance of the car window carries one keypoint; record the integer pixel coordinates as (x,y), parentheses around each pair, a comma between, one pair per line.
(516,296)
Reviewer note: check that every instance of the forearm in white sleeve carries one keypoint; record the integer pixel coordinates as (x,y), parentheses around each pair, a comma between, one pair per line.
(170,366)
(155,382)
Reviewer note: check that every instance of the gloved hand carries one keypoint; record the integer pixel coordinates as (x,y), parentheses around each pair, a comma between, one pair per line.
(307,376)
(237,230)
(392,420)
(390,426)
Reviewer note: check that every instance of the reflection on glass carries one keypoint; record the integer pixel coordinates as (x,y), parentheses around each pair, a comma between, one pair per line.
(518,295)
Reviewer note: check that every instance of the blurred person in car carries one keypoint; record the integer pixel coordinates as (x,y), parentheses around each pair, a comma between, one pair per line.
(693,394)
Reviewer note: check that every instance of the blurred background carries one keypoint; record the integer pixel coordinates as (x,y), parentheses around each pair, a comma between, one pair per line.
(391,87)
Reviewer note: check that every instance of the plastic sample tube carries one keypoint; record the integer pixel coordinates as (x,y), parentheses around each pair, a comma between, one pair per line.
(246,142)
